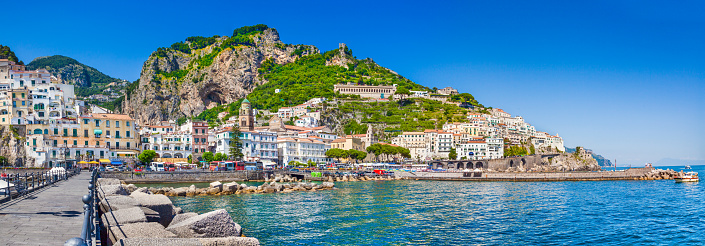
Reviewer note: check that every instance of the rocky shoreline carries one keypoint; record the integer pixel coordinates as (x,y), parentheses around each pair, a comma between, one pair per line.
(136,216)
(277,184)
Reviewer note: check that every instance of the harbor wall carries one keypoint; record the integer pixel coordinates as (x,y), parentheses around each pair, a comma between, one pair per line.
(629,174)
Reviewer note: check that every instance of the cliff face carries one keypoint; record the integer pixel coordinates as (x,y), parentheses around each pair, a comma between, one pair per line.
(581,161)
(12,147)
(175,84)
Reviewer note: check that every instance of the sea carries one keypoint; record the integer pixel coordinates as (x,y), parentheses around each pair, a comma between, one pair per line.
(407,212)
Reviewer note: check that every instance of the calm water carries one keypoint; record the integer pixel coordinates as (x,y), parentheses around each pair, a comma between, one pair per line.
(472,213)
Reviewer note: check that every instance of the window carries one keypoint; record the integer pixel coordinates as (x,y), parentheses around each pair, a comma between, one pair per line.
(75,132)
(195,140)
(97,124)
(107,123)
(195,150)
(86,143)
(66,132)
(85,121)
(127,134)
(127,123)
(203,140)
(75,143)
(117,123)
(85,134)
(54,143)
(117,134)
(22,94)
(128,145)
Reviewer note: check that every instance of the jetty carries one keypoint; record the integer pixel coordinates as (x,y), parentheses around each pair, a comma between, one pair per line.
(46,216)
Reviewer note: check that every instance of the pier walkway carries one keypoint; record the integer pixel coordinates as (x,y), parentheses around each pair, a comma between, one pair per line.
(49,216)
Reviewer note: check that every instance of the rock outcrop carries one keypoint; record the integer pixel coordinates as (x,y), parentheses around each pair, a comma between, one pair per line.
(216,74)
(563,162)
(12,146)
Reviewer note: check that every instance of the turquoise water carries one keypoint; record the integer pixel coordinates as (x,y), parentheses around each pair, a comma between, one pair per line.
(472,213)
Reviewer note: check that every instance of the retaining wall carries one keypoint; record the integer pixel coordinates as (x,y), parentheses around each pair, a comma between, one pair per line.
(629,174)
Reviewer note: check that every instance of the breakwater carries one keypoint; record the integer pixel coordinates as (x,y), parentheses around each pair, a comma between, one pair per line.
(134,216)
(629,174)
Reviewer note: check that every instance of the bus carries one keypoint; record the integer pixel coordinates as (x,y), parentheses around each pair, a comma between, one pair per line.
(254,165)
(157,166)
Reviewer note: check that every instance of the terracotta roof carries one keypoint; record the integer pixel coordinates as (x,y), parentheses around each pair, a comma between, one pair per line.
(339,140)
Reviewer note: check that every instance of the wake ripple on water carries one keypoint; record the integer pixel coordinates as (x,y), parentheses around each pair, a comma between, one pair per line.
(471,213)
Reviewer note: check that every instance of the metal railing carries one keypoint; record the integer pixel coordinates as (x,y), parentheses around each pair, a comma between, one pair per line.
(16,185)
(90,232)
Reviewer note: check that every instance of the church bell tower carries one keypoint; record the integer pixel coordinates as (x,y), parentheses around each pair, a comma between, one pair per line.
(246,119)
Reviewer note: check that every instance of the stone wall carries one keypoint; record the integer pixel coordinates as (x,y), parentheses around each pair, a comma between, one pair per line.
(634,173)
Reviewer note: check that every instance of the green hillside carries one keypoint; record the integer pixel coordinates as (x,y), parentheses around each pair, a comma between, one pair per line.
(88,80)
(6,53)
(309,77)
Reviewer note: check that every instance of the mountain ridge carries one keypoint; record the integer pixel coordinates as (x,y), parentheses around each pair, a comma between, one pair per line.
(87,80)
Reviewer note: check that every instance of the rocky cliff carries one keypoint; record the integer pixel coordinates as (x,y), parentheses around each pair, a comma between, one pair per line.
(12,147)
(582,160)
(187,79)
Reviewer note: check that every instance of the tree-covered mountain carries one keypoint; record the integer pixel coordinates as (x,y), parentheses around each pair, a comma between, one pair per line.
(88,80)
(7,53)
(604,162)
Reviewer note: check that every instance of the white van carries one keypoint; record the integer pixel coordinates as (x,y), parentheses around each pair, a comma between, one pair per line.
(157,166)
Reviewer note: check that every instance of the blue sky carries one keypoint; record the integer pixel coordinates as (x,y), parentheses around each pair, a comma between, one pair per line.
(625,78)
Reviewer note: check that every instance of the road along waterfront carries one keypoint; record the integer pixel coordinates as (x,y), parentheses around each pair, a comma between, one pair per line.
(462,213)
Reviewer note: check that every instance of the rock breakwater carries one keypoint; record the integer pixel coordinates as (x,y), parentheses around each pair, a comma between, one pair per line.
(137,216)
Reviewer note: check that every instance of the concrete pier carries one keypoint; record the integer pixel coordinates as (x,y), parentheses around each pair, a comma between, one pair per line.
(49,216)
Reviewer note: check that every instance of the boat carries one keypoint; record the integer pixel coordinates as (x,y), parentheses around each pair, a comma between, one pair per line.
(687,177)
(688,167)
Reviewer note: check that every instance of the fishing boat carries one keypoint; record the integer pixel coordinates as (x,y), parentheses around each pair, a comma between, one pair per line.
(688,167)
(687,177)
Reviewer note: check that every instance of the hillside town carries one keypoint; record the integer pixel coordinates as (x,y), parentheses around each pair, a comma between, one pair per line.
(58,129)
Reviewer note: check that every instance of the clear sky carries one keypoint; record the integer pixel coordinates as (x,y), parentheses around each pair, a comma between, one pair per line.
(624,78)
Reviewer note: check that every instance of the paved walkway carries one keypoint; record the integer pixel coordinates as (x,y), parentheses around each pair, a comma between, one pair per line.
(50,216)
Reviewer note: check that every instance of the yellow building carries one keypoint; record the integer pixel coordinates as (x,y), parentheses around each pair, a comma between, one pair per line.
(348,143)
(92,137)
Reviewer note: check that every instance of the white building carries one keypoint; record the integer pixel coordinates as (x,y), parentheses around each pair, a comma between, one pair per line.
(302,150)
(257,145)
(306,121)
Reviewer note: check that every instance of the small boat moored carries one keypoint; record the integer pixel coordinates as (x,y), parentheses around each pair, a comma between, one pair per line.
(687,177)
(688,167)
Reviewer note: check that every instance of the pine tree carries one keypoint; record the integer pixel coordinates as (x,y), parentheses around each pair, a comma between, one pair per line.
(235,144)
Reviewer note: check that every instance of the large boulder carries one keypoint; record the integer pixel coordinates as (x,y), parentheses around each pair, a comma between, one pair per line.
(108,181)
(181,217)
(160,241)
(117,202)
(112,190)
(131,187)
(229,241)
(143,190)
(327,185)
(124,216)
(231,187)
(139,230)
(152,216)
(217,185)
(159,203)
(217,223)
